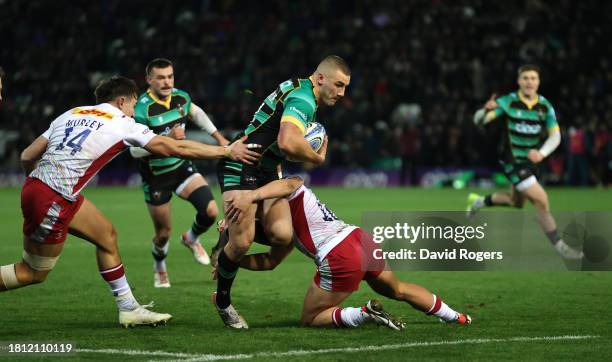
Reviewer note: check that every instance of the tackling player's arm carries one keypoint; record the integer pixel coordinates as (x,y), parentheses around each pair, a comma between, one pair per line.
(266,261)
(33,153)
(169,147)
(201,119)
(275,189)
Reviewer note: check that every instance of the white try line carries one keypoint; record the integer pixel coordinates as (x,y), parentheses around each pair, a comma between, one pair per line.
(183,357)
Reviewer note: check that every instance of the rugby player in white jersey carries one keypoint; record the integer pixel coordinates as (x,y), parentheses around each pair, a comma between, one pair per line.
(61,162)
(338,250)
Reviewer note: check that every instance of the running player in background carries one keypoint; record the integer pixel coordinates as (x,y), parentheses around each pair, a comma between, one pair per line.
(526,114)
(278,125)
(61,162)
(343,255)
(165,110)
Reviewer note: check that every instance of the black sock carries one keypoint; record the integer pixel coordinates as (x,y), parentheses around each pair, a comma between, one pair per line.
(553,236)
(226,270)
(488,200)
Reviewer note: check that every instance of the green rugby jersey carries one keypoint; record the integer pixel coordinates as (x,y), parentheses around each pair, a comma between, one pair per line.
(161,116)
(294,100)
(525,123)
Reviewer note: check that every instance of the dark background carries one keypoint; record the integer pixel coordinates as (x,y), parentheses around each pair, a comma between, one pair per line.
(420,69)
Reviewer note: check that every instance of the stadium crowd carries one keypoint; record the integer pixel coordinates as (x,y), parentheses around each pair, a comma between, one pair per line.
(420,69)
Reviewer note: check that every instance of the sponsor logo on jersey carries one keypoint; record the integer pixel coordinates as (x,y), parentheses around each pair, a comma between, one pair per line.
(302,114)
(93,112)
(528,128)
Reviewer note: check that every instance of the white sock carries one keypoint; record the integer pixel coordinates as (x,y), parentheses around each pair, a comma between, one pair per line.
(479,203)
(191,236)
(160,265)
(350,317)
(441,310)
(126,301)
(118,284)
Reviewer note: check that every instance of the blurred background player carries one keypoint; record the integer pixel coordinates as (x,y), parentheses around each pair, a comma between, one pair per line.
(61,162)
(343,255)
(526,114)
(278,125)
(165,110)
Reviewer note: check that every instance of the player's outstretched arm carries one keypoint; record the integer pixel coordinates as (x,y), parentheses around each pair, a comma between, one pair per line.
(168,147)
(266,261)
(33,153)
(292,143)
(487,113)
(275,189)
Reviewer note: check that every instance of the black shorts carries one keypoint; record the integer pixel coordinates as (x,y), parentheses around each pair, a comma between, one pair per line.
(234,175)
(518,173)
(158,189)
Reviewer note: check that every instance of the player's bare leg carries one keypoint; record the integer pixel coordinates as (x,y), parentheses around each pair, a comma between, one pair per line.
(387,284)
(501,198)
(39,259)
(241,236)
(90,224)
(319,306)
(322,309)
(162,219)
(195,190)
(276,221)
(538,197)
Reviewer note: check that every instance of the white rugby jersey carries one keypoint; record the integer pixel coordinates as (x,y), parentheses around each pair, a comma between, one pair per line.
(81,142)
(317,228)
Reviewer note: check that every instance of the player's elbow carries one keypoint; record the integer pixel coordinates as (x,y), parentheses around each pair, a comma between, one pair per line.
(26,157)
(285,145)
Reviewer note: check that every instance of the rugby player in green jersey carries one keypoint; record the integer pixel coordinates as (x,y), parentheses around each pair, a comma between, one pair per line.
(278,125)
(166,110)
(526,114)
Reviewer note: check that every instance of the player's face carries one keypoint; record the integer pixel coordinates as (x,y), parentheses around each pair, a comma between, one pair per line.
(161,81)
(529,82)
(332,87)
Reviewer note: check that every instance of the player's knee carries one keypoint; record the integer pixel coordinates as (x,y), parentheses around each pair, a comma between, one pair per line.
(306,320)
(240,246)
(203,201)
(212,211)
(281,234)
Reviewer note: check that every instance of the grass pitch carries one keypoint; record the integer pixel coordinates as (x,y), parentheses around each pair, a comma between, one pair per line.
(539,316)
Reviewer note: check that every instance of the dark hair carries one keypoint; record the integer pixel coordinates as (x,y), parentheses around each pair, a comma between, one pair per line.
(158,63)
(337,63)
(528,67)
(116,86)
(1,73)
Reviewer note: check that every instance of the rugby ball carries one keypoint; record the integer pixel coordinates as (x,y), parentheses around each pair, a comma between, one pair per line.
(315,135)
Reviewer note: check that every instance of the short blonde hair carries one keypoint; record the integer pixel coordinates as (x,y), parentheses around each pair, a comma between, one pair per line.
(333,62)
